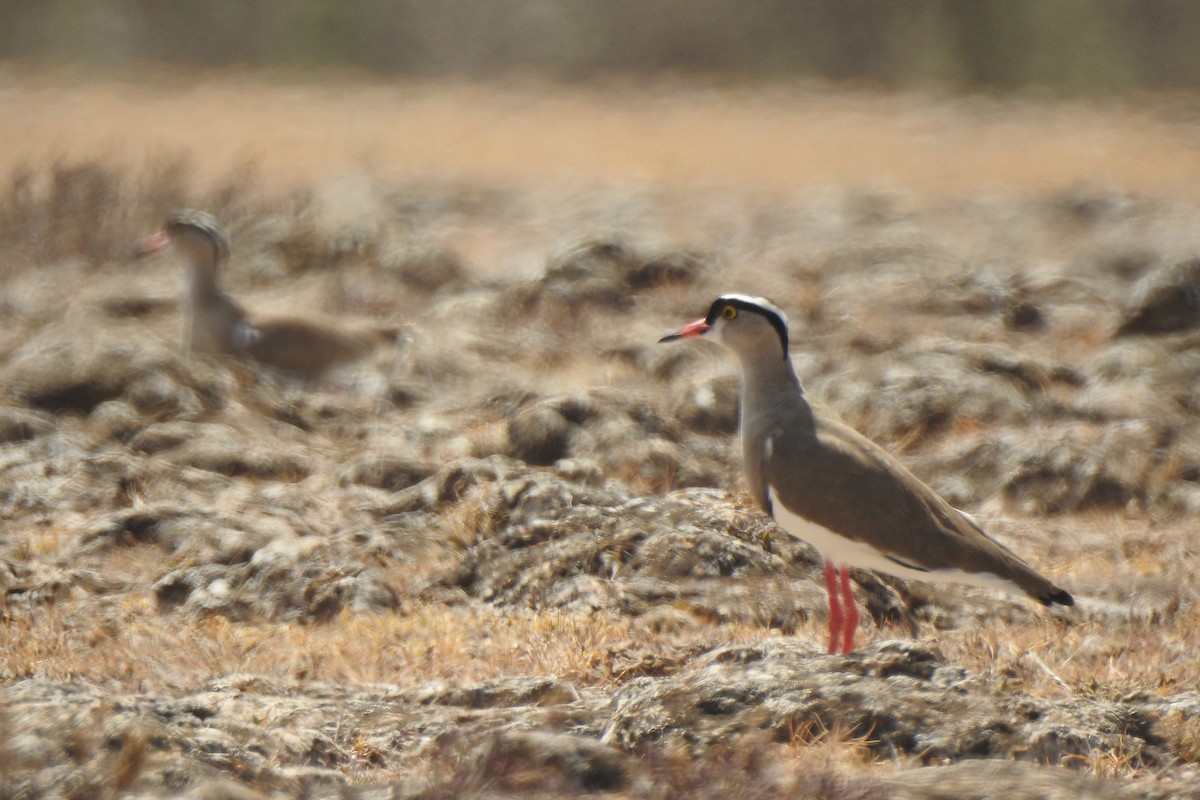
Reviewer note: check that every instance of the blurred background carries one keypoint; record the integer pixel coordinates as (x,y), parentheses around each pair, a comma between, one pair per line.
(1073,45)
(920,95)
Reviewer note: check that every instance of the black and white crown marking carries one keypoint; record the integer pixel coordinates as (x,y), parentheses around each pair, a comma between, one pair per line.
(755,305)
(203,222)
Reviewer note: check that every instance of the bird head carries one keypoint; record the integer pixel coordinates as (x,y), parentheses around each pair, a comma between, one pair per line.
(194,233)
(750,326)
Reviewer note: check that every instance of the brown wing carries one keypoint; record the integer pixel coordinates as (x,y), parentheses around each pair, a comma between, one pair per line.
(305,348)
(881,503)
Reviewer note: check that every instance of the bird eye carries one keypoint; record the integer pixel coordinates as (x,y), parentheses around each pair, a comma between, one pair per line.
(728,312)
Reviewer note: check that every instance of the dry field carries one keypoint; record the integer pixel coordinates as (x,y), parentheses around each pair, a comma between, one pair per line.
(511,556)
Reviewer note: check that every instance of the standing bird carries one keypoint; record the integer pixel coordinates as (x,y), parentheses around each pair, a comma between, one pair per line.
(824,482)
(218,325)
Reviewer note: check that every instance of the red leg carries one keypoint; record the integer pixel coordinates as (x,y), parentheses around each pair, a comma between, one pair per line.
(850,610)
(836,619)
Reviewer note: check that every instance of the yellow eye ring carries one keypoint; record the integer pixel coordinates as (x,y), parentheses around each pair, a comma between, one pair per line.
(728,312)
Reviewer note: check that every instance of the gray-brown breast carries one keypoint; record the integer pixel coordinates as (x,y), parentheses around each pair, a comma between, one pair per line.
(214,324)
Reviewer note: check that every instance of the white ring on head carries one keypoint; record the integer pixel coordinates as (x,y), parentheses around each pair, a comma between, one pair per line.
(761,302)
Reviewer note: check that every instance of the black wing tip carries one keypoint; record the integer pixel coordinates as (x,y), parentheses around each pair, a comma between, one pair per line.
(1059,597)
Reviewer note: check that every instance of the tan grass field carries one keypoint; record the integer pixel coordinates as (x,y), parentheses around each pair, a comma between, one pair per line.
(934,184)
(528,133)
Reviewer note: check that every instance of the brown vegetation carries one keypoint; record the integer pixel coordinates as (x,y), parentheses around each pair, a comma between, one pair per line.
(509,555)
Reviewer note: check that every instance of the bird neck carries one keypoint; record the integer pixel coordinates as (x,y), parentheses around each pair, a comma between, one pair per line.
(203,278)
(768,383)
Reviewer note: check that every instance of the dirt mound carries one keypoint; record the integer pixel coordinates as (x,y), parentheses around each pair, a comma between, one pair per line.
(521,735)
(551,542)
(899,697)
(1165,301)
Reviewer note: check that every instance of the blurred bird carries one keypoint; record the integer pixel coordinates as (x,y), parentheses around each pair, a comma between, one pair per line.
(824,482)
(216,324)
(1165,301)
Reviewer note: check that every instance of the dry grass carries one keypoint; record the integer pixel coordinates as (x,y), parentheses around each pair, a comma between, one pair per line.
(133,648)
(1107,651)
(130,646)
(1143,640)
(531,134)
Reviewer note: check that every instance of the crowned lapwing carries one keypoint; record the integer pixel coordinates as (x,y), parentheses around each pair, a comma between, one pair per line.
(824,482)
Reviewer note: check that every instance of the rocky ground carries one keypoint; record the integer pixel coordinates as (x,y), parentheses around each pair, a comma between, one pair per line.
(511,556)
